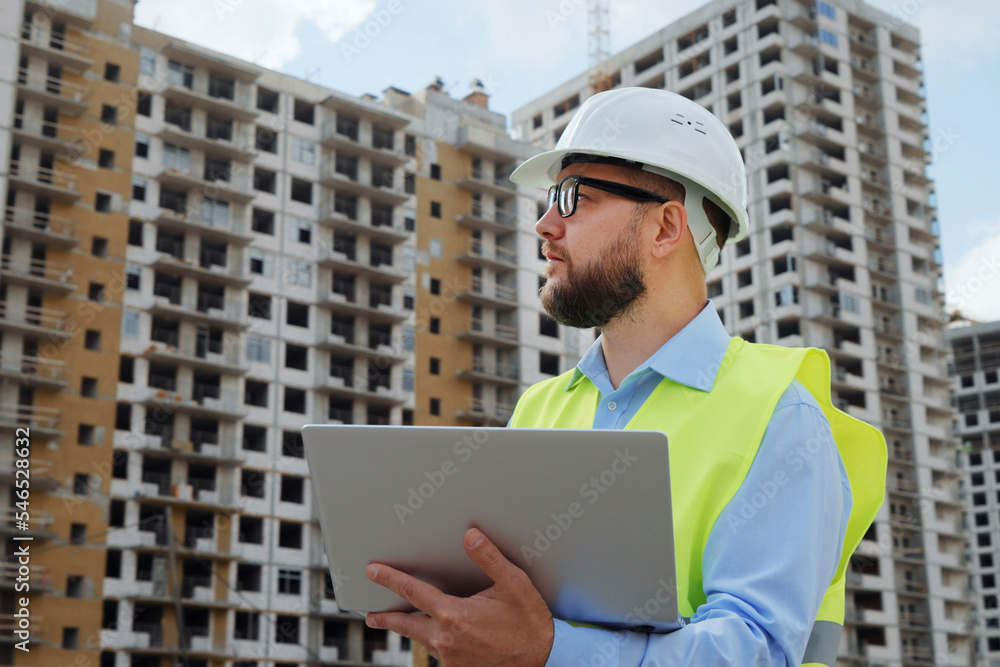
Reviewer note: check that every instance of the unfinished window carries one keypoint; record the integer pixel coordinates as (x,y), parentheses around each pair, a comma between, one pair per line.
(297,314)
(304,112)
(267,100)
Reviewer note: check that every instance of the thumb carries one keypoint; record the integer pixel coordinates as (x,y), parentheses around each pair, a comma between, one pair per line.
(490,560)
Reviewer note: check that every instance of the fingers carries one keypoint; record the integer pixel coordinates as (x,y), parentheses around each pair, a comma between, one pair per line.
(415,626)
(420,594)
(494,564)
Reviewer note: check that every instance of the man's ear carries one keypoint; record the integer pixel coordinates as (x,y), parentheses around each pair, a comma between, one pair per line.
(671,228)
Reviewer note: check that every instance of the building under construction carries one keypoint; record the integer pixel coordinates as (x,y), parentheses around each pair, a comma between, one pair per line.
(200,256)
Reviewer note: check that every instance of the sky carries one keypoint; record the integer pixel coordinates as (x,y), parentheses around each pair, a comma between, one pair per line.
(522,48)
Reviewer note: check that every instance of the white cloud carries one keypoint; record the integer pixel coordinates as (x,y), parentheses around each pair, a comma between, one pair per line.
(973,283)
(260,31)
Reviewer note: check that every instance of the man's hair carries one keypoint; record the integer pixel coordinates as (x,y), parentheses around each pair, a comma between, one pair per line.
(635,175)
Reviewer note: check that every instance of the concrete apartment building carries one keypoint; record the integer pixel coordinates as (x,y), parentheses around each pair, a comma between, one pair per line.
(67,156)
(976,350)
(199,257)
(481,333)
(826,102)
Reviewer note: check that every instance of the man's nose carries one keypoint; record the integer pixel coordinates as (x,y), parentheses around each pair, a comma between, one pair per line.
(551,225)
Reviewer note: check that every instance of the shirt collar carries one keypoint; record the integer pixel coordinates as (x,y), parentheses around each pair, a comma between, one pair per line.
(691,357)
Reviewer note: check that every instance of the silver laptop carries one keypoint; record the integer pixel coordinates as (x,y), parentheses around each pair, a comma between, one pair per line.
(586,514)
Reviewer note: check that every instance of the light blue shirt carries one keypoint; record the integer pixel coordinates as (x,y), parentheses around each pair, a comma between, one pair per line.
(774,549)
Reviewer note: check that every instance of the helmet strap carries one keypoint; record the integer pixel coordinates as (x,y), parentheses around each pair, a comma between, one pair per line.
(701,229)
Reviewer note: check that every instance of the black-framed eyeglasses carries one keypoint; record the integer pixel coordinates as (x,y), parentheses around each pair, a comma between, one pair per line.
(564,194)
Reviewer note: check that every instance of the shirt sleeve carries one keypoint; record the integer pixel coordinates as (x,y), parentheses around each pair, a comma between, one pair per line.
(767,564)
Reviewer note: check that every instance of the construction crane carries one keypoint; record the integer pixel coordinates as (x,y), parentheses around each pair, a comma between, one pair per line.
(598,45)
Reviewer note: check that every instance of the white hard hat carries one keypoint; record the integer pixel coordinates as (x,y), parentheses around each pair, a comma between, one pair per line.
(667,134)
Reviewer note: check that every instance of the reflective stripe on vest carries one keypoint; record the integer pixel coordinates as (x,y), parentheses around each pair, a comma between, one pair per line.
(710,456)
(823,643)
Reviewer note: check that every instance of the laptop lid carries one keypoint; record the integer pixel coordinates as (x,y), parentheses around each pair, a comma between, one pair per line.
(585,513)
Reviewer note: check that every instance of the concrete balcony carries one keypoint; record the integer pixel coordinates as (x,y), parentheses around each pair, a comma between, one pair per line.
(479,181)
(802,17)
(491,143)
(497,257)
(41,474)
(228,360)
(499,296)
(69,98)
(54,48)
(357,387)
(40,578)
(498,335)
(345,300)
(37,274)
(228,103)
(834,314)
(39,524)
(866,96)
(806,45)
(825,162)
(507,374)
(48,374)
(380,227)
(479,411)
(363,183)
(52,183)
(863,42)
(76,12)
(208,267)
(41,420)
(201,402)
(351,144)
(35,321)
(49,137)
(206,308)
(825,220)
(825,193)
(496,220)
(196,446)
(376,349)
(826,252)
(231,186)
(383,273)
(229,231)
(52,230)
(237,147)
(817,131)
(9,623)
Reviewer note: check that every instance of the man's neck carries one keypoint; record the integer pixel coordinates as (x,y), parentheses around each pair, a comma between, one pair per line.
(627,343)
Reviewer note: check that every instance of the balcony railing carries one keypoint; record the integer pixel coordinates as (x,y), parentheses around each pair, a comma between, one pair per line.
(496,216)
(37,268)
(501,180)
(505,331)
(48,130)
(502,292)
(497,410)
(42,222)
(48,318)
(70,92)
(29,415)
(34,367)
(44,175)
(32,34)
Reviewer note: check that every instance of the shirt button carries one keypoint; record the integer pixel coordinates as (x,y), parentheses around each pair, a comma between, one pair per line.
(612,405)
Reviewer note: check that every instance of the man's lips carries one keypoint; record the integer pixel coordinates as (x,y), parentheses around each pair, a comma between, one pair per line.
(552,257)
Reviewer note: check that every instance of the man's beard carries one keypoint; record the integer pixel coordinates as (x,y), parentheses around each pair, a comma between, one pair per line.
(610,286)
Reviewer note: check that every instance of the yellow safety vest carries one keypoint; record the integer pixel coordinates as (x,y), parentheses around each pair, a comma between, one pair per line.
(714,437)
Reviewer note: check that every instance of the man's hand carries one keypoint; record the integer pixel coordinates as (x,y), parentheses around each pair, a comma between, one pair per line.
(507,624)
